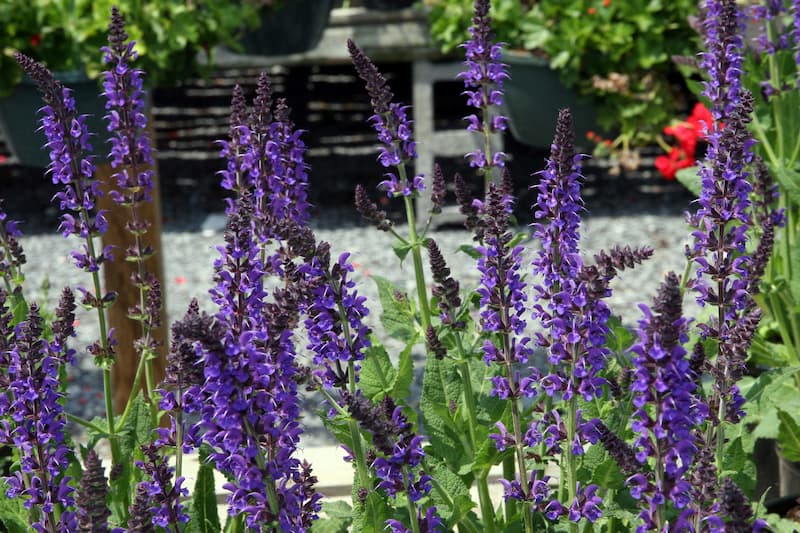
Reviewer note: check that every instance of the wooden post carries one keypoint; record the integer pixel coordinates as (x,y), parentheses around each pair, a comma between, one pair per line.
(117,275)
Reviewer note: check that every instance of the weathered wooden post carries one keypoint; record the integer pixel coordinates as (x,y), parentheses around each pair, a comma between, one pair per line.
(117,277)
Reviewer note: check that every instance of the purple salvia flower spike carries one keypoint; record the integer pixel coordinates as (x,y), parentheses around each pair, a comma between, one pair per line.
(164,494)
(233,149)
(36,422)
(666,407)
(288,196)
(131,154)
(483,78)
(393,126)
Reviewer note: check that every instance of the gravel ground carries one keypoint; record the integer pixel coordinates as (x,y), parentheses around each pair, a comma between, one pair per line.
(190,249)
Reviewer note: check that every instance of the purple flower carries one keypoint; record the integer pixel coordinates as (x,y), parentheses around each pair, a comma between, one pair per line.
(502,293)
(483,78)
(574,319)
(164,495)
(70,165)
(34,422)
(250,415)
(392,124)
(336,332)
(130,153)
(723,219)
(663,393)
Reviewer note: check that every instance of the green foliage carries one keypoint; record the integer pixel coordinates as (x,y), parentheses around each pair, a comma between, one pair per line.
(591,44)
(203,517)
(397,316)
(13,515)
(169,34)
(339,517)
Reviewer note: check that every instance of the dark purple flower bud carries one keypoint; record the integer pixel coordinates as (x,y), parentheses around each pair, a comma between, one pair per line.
(618,449)
(438,189)
(93,512)
(141,517)
(466,207)
(435,345)
(234,148)
(369,210)
(735,507)
(376,86)
(446,288)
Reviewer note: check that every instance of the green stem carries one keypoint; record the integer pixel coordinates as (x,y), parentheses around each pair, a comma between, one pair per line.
(570,457)
(485,500)
(510,472)
(762,136)
(358,450)
(137,378)
(85,423)
(419,273)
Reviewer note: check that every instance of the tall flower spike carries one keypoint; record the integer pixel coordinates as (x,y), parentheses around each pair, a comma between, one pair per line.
(723,219)
(234,148)
(666,407)
(392,124)
(70,165)
(446,288)
(11,255)
(164,494)
(141,517)
(36,425)
(483,79)
(131,154)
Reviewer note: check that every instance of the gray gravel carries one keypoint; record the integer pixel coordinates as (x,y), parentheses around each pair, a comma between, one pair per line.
(189,255)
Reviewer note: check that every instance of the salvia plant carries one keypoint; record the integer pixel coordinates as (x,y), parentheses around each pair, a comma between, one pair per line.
(529,376)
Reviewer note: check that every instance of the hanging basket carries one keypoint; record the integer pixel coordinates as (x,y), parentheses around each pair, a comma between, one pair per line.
(296,27)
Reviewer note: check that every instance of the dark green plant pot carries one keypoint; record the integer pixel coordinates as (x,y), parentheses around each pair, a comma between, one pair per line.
(388,5)
(293,28)
(533,96)
(19,118)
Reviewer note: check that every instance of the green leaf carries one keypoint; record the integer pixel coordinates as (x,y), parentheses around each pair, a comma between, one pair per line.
(738,464)
(203,516)
(689,178)
(404,377)
(470,251)
(372,515)
(377,373)
(441,388)
(620,337)
(789,181)
(401,249)
(12,514)
(339,518)
(396,316)
(456,501)
(789,436)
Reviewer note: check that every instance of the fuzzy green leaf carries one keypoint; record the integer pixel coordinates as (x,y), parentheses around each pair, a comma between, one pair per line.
(396,316)
(738,464)
(404,377)
(450,493)
(203,517)
(372,515)
(377,373)
(470,251)
(13,515)
(339,518)
(789,436)
(441,388)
